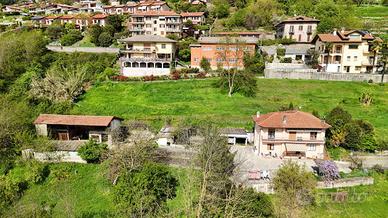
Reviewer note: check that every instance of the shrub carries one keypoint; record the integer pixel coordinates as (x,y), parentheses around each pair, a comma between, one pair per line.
(201,75)
(175,75)
(149,78)
(38,172)
(281,52)
(328,170)
(119,78)
(92,151)
(366,98)
(71,37)
(286,60)
(378,168)
(105,39)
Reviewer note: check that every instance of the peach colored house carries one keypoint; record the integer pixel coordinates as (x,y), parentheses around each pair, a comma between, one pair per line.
(289,133)
(225,52)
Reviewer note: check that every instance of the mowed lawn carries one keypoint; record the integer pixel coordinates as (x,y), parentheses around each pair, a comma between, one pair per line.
(197,100)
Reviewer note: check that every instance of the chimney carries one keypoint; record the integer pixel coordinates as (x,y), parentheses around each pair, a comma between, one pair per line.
(335,31)
(257,114)
(284,119)
(342,29)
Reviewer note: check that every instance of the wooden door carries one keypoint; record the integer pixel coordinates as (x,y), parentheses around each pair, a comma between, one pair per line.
(292,135)
(63,136)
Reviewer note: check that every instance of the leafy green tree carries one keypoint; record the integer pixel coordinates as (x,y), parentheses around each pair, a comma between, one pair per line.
(94,32)
(184,55)
(71,37)
(338,117)
(294,187)
(55,31)
(221,9)
(92,151)
(205,64)
(105,39)
(144,192)
(116,22)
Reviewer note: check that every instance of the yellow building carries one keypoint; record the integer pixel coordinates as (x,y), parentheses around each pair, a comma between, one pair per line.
(346,52)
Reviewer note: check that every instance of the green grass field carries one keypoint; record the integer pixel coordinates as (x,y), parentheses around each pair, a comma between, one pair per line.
(199,100)
(372,11)
(85,192)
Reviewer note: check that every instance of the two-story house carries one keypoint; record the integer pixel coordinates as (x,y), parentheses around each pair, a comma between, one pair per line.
(146,55)
(289,133)
(197,18)
(224,52)
(300,28)
(160,23)
(346,52)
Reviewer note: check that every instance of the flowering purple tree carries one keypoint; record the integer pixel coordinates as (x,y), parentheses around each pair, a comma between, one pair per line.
(328,170)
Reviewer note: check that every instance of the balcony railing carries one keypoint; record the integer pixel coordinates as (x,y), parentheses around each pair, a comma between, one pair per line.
(124,59)
(145,50)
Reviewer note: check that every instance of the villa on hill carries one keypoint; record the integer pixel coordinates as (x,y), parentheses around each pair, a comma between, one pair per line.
(289,133)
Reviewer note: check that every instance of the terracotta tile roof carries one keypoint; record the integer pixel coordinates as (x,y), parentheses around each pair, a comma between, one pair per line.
(74,120)
(329,37)
(300,18)
(51,17)
(100,16)
(290,119)
(192,14)
(156,13)
(343,36)
(66,17)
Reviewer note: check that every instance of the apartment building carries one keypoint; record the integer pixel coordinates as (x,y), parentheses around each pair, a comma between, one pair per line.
(289,133)
(152,6)
(146,55)
(225,52)
(197,18)
(160,23)
(300,28)
(346,52)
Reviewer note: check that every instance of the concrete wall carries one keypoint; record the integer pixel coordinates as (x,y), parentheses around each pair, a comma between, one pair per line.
(55,156)
(136,72)
(266,187)
(311,75)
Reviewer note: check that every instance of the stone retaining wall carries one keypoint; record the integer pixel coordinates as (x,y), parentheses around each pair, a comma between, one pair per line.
(311,74)
(69,49)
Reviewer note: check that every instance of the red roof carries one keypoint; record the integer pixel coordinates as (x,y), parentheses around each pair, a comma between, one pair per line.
(343,36)
(100,16)
(192,14)
(74,120)
(51,17)
(290,119)
(66,17)
(156,13)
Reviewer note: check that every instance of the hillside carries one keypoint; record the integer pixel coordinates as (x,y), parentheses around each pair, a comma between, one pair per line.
(199,100)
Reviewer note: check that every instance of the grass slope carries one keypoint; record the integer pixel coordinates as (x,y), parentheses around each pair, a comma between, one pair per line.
(81,191)
(372,11)
(199,100)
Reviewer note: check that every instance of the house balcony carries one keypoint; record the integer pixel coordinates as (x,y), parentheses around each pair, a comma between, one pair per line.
(146,60)
(137,30)
(171,30)
(138,22)
(297,140)
(173,22)
(131,50)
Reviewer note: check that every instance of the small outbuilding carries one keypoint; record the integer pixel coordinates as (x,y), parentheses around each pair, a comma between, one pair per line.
(77,127)
(235,135)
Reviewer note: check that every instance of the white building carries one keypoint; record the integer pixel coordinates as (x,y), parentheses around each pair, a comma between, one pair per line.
(346,52)
(160,23)
(289,133)
(300,28)
(146,55)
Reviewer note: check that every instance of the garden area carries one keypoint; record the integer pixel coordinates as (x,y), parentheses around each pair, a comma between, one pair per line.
(198,100)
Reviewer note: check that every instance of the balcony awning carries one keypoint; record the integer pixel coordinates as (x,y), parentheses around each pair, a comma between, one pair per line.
(296,147)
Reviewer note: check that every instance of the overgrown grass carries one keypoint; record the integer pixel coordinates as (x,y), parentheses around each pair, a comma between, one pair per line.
(197,100)
(70,189)
(338,153)
(363,201)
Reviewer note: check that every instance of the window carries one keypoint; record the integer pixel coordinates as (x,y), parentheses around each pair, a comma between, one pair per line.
(347,69)
(309,28)
(270,147)
(355,58)
(271,134)
(195,59)
(348,58)
(358,68)
(219,60)
(313,135)
(148,25)
(161,25)
(291,29)
(300,27)
(300,38)
(353,46)
(163,46)
(311,147)
(155,21)
(220,48)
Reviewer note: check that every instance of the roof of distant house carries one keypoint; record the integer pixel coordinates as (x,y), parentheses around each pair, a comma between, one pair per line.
(224,40)
(100,16)
(237,33)
(74,120)
(290,119)
(233,131)
(343,36)
(192,14)
(299,19)
(67,17)
(147,38)
(155,13)
(292,49)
